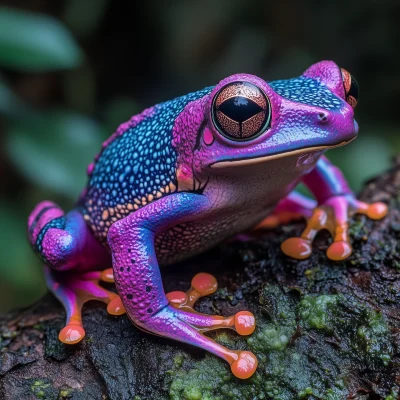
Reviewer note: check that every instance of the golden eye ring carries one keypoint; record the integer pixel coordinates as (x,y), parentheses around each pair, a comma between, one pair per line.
(241,111)
(351,88)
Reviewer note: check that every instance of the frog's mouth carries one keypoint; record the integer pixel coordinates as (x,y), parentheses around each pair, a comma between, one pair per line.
(242,162)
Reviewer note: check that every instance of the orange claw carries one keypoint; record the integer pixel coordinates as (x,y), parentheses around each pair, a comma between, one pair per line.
(71,334)
(245,366)
(245,323)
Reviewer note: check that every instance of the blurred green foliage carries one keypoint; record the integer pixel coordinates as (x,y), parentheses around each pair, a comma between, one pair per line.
(71,72)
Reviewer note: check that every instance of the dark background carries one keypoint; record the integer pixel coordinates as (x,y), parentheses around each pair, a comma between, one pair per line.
(75,69)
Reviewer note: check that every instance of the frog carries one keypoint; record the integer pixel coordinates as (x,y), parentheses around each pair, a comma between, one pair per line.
(187,174)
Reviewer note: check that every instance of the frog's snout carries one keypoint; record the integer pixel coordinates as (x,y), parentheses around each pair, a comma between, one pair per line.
(323,117)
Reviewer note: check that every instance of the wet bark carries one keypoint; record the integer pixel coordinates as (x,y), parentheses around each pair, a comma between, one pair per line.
(326,330)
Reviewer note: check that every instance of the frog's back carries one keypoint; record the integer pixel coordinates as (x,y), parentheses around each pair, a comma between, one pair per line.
(136,166)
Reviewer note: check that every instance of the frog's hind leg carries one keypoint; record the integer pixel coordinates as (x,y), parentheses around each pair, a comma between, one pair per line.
(73,291)
(74,260)
(293,207)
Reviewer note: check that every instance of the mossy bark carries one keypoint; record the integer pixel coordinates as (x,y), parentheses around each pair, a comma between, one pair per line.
(326,330)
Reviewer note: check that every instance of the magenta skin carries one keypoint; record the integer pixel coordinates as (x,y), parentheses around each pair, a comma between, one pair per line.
(167,185)
(294,125)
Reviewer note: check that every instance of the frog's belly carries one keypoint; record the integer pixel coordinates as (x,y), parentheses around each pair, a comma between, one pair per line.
(185,240)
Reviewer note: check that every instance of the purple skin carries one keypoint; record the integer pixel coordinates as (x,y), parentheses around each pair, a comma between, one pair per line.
(171,183)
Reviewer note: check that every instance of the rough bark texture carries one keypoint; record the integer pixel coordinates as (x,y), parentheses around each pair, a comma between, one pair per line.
(325,330)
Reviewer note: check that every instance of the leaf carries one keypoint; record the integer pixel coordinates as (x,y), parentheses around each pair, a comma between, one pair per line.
(83,17)
(11,105)
(35,43)
(53,151)
(21,280)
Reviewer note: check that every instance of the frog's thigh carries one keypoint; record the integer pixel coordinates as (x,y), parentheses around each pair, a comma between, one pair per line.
(64,241)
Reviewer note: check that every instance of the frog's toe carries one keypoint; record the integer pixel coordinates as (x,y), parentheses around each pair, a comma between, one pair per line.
(300,248)
(115,306)
(107,275)
(245,365)
(176,298)
(297,248)
(189,325)
(339,250)
(202,284)
(245,323)
(373,211)
(71,334)
(205,284)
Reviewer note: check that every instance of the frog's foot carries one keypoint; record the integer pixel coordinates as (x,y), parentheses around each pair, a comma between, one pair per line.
(332,215)
(73,290)
(293,207)
(181,322)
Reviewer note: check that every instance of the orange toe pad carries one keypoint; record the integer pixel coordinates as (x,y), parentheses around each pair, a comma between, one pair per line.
(298,248)
(245,323)
(377,211)
(115,306)
(245,366)
(338,251)
(71,334)
(204,283)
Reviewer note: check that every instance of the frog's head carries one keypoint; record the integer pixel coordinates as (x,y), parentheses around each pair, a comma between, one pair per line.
(249,121)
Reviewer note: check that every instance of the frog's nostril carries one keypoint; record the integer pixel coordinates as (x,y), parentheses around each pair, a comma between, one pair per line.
(323,117)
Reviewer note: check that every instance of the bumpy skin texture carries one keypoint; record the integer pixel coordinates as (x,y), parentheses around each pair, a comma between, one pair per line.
(185,174)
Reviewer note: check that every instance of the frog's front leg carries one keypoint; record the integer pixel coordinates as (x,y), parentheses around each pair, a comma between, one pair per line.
(139,284)
(336,202)
(75,264)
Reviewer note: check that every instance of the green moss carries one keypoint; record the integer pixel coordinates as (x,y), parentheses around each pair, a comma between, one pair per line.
(275,334)
(357,229)
(340,316)
(38,389)
(209,380)
(373,336)
(393,395)
(178,360)
(270,338)
(65,394)
(293,343)
(305,393)
(316,311)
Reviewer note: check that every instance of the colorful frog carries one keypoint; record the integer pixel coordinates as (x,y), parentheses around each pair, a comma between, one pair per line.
(183,175)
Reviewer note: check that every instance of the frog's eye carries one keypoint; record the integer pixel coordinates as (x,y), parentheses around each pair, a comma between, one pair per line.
(350,88)
(241,111)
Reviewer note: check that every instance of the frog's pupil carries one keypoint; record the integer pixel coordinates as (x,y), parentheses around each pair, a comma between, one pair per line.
(239,108)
